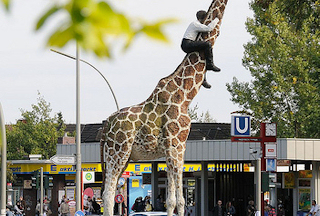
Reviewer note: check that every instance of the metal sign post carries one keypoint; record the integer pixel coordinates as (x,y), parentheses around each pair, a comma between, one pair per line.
(267,135)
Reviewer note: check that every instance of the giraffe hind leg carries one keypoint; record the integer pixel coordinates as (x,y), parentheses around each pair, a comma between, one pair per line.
(114,169)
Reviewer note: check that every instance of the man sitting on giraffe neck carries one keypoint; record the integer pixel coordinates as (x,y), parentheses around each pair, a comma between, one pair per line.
(189,43)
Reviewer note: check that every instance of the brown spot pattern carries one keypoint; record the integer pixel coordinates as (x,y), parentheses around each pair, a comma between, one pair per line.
(178,97)
(184,121)
(188,83)
(183,135)
(192,93)
(173,128)
(189,71)
(163,97)
(120,137)
(173,112)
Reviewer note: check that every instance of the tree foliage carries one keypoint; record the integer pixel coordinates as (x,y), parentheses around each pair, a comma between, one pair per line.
(95,26)
(202,118)
(36,133)
(284,62)
(297,11)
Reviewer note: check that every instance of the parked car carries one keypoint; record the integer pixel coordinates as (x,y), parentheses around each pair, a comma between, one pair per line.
(149,214)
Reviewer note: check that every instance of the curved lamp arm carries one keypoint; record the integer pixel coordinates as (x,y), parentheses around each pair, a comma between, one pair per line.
(69,56)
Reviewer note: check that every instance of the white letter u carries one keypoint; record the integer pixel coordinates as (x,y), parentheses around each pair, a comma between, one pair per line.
(246,125)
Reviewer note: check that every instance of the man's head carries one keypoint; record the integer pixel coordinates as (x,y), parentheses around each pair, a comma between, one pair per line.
(219,202)
(201,15)
(314,202)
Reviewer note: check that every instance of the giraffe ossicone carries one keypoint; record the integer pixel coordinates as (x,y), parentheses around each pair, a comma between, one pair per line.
(157,127)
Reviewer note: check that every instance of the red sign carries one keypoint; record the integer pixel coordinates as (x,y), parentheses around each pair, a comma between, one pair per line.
(125,174)
(119,198)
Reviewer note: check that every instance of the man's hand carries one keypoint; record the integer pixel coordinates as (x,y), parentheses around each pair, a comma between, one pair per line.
(219,15)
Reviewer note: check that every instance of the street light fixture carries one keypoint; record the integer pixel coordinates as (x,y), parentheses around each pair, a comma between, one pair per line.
(105,79)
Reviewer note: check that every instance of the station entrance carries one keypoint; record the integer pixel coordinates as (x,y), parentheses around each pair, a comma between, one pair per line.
(237,187)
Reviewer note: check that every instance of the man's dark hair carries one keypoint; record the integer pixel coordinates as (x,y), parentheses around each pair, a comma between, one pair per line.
(201,15)
(314,201)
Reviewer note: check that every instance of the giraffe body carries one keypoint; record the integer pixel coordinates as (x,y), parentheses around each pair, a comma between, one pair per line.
(157,127)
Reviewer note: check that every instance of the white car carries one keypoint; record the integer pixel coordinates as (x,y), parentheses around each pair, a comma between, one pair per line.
(149,214)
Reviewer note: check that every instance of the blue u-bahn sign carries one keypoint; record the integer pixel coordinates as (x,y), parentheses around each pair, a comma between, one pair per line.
(240,126)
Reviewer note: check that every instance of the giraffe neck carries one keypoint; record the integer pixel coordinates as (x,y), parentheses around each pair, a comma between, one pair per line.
(215,7)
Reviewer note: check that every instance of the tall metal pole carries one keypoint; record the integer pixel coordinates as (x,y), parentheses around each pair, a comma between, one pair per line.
(78,133)
(258,185)
(3,146)
(41,191)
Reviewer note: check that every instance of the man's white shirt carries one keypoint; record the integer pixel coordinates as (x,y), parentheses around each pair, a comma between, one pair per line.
(315,208)
(195,27)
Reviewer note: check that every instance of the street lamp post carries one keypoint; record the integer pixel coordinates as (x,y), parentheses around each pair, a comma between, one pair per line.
(3,146)
(78,127)
(78,134)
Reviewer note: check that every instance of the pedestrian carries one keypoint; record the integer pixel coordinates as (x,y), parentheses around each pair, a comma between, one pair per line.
(314,209)
(148,206)
(17,209)
(218,209)
(138,205)
(281,211)
(38,206)
(87,205)
(64,208)
(159,205)
(230,210)
(271,210)
(251,209)
(265,208)
(22,204)
(190,44)
(95,206)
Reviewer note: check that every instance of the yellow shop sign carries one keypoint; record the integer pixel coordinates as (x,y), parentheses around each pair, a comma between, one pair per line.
(53,169)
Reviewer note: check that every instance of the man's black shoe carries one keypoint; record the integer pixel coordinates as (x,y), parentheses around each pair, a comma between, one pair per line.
(206,84)
(212,67)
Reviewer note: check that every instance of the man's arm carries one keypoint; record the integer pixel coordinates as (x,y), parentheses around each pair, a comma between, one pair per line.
(213,24)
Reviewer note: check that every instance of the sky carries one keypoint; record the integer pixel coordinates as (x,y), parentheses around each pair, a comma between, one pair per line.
(27,66)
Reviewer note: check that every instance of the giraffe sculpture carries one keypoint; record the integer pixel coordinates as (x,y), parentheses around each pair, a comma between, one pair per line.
(157,127)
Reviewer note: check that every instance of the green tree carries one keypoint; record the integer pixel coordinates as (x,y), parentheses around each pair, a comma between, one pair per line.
(297,11)
(36,133)
(95,25)
(202,118)
(285,65)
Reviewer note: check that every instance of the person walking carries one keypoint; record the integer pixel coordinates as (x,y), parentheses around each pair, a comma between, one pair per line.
(17,209)
(271,210)
(138,205)
(64,208)
(230,210)
(38,206)
(159,205)
(218,209)
(87,205)
(251,210)
(314,209)
(281,211)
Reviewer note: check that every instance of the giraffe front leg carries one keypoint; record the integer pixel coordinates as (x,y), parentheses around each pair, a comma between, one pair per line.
(179,190)
(171,199)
